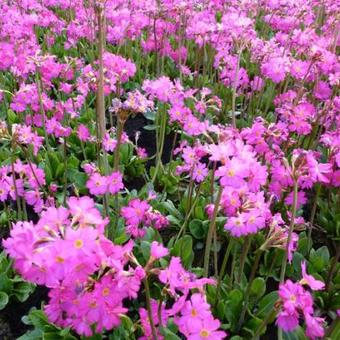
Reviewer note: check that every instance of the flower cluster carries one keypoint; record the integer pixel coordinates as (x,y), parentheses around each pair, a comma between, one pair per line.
(139,215)
(296,302)
(101,185)
(68,252)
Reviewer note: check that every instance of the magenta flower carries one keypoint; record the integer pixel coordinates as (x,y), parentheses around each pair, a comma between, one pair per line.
(83,133)
(115,182)
(208,330)
(97,184)
(157,251)
(288,321)
(314,327)
(309,279)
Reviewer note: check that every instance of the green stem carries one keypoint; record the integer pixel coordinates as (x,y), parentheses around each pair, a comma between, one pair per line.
(223,268)
(245,250)
(211,232)
(187,217)
(291,228)
(65,170)
(119,132)
(334,262)
(161,139)
(264,323)
(16,190)
(148,306)
(233,102)
(251,279)
(41,104)
(312,216)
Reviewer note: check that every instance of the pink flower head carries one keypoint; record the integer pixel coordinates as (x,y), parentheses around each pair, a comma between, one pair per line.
(83,133)
(309,279)
(314,327)
(97,184)
(115,182)
(208,330)
(157,251)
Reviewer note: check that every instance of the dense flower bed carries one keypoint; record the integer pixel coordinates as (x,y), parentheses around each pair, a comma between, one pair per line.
(217,217)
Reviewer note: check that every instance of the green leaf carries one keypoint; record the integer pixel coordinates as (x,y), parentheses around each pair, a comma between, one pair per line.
(266,304)
(335,334)
(169,335)
(23,290)
(319,258)
(6,284)
(150,127)
(183,249)
(197,229)
(145,249)
(3,300)
(32,335)
(298,334)
(252,325)
(77,177)
(234,306)
(258,287)
(12,117)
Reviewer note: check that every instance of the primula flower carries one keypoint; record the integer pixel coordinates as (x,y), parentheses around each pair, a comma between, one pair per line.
(309,279)
(115,182)
(314,327)
(297,302)
(192,314)
(97,184)
(83,133)
(208,330)
(157,251)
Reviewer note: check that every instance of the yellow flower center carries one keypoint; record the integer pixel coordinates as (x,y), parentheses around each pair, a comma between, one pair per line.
(193,312)
(106,291)
(93,304)
(204,333)
(59,259)
(78,244)
(231,173)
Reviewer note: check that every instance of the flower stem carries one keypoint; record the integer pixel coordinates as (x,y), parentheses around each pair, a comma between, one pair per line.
(223,268)
(235,85)
(148,306)
(291,228)
(251,279)
(245,250)
(264,323)
(163,119)
(211,232)
(311,221)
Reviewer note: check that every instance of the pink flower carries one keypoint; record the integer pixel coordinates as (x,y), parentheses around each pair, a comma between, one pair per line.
(322,90)
(115,182)
(157,250)
(109,144)
(200,172)
(314,327)
(141,153)
(83,133)
(288,321)
(135,211)
(237,226)
(309,279)
(193,312)
(233,173)
(208,330)
(97,184)
(274,69)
